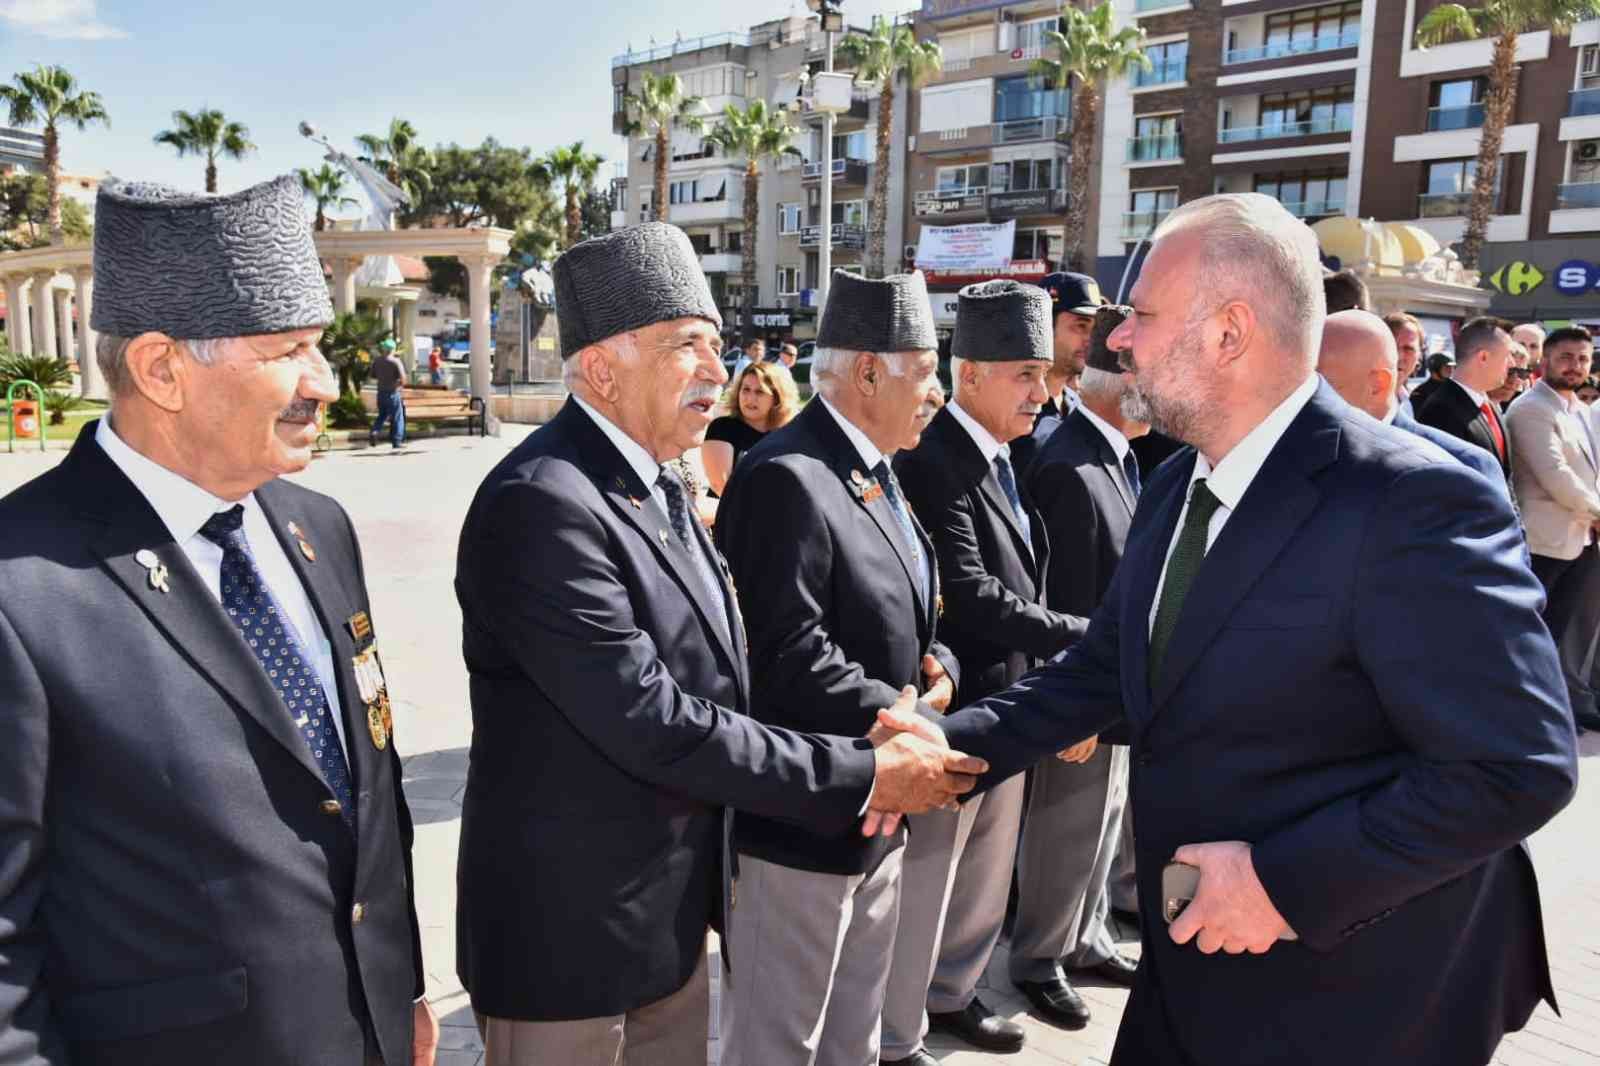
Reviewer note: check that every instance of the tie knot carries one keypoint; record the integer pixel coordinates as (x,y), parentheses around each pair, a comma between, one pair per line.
(220,527)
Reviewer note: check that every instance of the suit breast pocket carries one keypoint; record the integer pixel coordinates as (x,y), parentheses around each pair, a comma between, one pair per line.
(1289,612)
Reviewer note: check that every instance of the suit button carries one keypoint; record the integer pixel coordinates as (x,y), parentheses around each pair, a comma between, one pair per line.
(332,807)
(357,913)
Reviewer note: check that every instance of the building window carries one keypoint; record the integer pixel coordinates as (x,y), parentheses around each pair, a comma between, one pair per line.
(1306,195)
(850,212)
(692,149)
(734,240)
(620,192)
(1589,67)
(788,281)
(1456,104)
(683,192)
(1295,31)
(850,145)
(1156,137)
(724,80)
(1146,209)
(1298,114)
(1031,39)
(1169,62)
(789,217)
(1026,97)
(1447,187)
(701,242)
(1038,243)
(963,181)
(962,47)
(1021,175)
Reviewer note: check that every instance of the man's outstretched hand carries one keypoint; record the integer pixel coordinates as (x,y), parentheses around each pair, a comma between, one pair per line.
(916,770)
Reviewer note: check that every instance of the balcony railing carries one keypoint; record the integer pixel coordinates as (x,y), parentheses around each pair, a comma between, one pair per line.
(1583,102)
(1165,73)
(1274,130)
(1041,128)
(1443,204)
(932,203)
(1468,117)
(1153,5)
(1149,149)
(1295,46)
(665,51)
(1014,203)
(1578,195)
(1315,208)
(850,171)
(1140,224)
(843,236)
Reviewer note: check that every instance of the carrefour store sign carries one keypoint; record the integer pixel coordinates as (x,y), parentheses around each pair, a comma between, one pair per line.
(1543,279)
(1577,277)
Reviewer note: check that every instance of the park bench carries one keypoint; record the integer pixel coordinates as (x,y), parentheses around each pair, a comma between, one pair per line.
(440,405)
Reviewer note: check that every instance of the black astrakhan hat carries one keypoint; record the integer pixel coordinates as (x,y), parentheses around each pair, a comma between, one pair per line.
(198,266)
(1078,293)
(626,280)
(1106,321)
(1002,321)
(889,314)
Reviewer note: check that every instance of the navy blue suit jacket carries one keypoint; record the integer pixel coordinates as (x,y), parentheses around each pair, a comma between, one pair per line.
(1361,688)
(609,731)
(1467,454)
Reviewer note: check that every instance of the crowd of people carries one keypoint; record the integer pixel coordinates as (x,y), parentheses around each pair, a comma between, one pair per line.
(1292,698)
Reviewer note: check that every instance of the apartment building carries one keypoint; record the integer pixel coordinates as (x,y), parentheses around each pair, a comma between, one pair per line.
(706,187)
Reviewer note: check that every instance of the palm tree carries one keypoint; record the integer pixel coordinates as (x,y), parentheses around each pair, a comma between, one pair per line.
(326,188)
(658,107)
(756,133)
(1503,20)
(576,170)
(50,95)
(1089,47)
(399,156)
(207,132)
(884,56)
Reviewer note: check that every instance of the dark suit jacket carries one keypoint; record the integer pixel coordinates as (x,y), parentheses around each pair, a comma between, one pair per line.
(836,619)
(1361,688)
(609,732)
(1423,392)
(172,891)
(1451,410)
(1077,485)
(1469,455)
(995,621)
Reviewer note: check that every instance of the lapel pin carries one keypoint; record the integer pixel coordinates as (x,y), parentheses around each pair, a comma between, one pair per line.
(858,477)
(308,551)
(157,569)
(294,530)
(872,492)
(637,503)
(663,536)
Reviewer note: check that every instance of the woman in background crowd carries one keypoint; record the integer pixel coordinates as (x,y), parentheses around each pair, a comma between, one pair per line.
(764,398)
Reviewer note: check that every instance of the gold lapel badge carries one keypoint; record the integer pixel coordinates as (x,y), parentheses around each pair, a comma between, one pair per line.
(157,569)
(375,695)
(300,538)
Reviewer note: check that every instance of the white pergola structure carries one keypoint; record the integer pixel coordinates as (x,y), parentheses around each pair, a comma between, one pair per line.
(41,284)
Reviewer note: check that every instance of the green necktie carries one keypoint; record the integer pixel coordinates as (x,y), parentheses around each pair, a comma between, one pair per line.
(1181,569)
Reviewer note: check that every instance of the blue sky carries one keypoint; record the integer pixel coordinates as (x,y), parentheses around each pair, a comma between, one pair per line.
(533,73)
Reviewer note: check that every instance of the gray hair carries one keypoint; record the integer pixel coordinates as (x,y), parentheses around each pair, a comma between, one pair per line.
(111,352)
(1255,251)
(956,365)
(829,366)
(622,345)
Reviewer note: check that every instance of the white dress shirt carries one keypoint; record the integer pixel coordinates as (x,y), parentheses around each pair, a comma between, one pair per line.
(1478,398)
(870,455)
(1232,476)
(184,507)
(642,462)
(1120,445)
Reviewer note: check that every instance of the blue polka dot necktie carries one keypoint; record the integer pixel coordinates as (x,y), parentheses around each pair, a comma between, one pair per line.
(278,648)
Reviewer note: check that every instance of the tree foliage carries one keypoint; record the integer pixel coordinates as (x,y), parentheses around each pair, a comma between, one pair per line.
(659,107)
(25,214)
(49,96)
(326,188)
(575,168)
(207,133)
(757,133)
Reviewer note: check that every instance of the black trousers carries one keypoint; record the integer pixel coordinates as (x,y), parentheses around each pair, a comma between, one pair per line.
(1572,614)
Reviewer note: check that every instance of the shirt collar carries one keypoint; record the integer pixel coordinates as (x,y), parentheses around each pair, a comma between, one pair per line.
(642,462)
(1569,403)
(864,447)
(1113,435)
(1231,477)
(1478,398)
(980,436)
(182,506)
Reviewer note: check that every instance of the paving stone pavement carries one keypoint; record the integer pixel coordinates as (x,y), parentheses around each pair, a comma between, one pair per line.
(408,507)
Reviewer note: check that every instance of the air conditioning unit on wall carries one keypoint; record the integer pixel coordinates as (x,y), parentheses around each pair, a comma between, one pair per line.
(1588,151)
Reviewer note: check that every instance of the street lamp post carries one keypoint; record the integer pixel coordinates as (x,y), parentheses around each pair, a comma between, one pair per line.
(832,22)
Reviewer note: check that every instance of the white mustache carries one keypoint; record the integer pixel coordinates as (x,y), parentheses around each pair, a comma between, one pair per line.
(696,393)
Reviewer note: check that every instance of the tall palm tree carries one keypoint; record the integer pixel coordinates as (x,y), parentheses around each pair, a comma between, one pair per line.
(50,96)
(883,57)
(399,155)
(326,188)
(576,169)
(756,133)
(657,108)
(207,132)
(1088,47)
(1503,20)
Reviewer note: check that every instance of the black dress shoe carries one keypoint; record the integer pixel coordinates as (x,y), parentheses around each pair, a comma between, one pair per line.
(1056,1002)
(1118,969)
(980,1027)
(916,1058)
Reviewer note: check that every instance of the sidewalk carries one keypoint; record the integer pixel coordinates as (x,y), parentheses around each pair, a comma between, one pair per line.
(408,507)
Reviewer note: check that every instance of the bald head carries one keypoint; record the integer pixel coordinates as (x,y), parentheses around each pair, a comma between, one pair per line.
(1358,358)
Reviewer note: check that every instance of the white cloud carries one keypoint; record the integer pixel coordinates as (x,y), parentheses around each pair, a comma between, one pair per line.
(58,19)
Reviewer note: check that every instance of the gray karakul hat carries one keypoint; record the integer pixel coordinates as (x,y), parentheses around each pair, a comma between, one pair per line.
(198,266)
(1002,322)
(889,314)
(628,279)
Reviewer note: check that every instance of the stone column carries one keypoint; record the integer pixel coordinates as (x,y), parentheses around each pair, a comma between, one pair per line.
(387,310)
(94,386)
(344,284)
(44,318)
(405,330)
(479,268)
(17,335)
(63,313)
